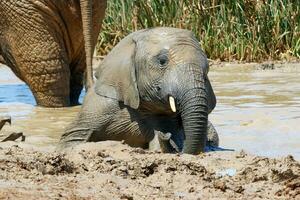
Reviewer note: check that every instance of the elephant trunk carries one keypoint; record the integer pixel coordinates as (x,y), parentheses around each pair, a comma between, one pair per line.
(86,15)
(194,113)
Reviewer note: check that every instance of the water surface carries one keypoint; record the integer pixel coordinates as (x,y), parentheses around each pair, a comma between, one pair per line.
(257,110)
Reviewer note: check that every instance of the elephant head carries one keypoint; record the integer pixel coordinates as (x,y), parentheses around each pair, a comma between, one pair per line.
(162,71)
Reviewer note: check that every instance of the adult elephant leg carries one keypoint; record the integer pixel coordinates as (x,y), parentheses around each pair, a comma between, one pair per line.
(42,64)
(36,52)
(76,86)
(51,89)
(77,69)
(47,73)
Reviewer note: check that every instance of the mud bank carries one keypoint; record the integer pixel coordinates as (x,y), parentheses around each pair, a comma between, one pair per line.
(266,65)
(254,105)
(111,170)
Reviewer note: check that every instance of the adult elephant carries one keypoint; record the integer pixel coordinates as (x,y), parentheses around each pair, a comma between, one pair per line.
(44,43)
(153,82)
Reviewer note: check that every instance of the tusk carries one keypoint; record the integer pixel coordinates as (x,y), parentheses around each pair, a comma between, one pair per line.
(172,103)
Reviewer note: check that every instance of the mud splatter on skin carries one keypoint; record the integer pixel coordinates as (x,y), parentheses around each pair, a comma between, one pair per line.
(107,170)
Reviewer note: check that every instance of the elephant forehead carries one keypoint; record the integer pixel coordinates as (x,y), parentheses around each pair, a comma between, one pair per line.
(167,40)
(177,47)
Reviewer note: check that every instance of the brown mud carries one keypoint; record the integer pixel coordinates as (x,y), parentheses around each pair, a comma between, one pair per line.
(258,110)
(112,170)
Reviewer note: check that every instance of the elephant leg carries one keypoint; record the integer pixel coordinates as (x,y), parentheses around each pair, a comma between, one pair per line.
(36,49)
(43,66)
(128,126)
(89,122)
(164,142)
(47,74)
(50,89)
(92,122)
(76,85)
(170,142)
(167,143)
(77,81)
(173,143)
(102,119)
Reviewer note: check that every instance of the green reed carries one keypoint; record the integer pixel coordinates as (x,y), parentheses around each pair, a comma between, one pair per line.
(246,30)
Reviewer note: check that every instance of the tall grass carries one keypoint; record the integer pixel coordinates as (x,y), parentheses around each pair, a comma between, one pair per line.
(246,30)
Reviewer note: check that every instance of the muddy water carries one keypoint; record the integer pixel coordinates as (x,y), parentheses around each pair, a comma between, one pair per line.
(42,126)
(257,110)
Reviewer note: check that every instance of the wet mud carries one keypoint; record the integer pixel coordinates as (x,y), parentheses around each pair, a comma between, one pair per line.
(257,115)
(112,170)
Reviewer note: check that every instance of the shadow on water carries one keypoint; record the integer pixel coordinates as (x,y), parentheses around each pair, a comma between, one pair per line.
(213,148)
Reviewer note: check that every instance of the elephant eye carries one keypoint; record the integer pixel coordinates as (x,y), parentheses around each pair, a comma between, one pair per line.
(163,59)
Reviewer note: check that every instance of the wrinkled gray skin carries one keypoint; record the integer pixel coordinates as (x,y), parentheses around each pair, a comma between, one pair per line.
(129,100)
(44,43)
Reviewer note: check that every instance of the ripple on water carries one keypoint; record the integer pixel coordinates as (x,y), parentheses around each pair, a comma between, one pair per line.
(258,111)
(16,93)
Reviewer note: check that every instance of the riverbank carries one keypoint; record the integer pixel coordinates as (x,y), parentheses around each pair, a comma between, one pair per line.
(266,65)
(112,170)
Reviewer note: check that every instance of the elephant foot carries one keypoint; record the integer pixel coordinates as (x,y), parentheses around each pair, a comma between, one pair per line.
(173,143)
(167,143)
(51,101)
(74,103)
(75,88)
(212,143)
(4,120)
(212,135)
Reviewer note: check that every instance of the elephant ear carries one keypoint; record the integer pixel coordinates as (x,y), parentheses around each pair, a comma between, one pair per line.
(116,75)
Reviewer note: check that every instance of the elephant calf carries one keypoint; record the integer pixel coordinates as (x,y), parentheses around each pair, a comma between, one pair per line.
(153,82)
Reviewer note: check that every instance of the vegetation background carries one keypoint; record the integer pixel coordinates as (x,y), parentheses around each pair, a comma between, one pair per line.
(228,30)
